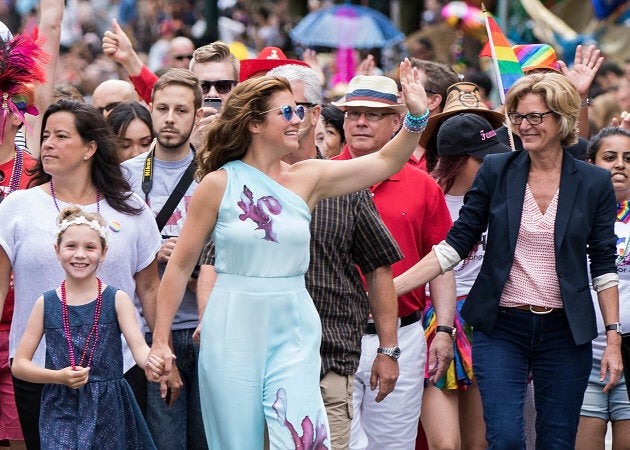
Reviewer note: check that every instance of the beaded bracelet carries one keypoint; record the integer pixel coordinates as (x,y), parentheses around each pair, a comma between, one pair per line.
(415,124)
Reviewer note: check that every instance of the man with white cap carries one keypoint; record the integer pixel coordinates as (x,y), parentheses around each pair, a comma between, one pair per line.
(412,206)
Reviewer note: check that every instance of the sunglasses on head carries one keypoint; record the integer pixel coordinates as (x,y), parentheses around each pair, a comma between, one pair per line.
(287,112)
(182,57)
(222,86)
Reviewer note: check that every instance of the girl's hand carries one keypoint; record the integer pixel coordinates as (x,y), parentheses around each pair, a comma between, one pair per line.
(154,368)
(412,90)
(74,378)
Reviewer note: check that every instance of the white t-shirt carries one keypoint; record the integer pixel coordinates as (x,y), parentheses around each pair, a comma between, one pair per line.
(467,269)
(28,228)
(166,177)
(622,230)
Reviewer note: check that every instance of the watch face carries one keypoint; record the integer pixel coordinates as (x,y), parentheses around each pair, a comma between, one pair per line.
(393,352)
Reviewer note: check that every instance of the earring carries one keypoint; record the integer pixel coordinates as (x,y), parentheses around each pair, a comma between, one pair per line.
(85,158)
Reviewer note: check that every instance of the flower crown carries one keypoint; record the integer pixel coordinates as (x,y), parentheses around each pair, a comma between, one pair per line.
(81,220)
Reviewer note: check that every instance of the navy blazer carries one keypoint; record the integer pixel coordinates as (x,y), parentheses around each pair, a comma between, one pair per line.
(584,225)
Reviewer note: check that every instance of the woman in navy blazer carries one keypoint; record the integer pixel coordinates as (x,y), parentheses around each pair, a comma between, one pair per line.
(530,305)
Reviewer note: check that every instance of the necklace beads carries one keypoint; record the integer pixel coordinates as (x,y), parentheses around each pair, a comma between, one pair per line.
(16,172)
(54,197)
(93,334)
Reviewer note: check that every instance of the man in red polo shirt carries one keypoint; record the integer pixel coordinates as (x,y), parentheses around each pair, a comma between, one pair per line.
(413,208)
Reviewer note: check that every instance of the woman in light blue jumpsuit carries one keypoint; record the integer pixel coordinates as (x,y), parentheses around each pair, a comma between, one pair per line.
(259,358)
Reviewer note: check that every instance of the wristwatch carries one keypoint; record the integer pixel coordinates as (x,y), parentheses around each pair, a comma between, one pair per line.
(614,327)
(444,329)
(392,352)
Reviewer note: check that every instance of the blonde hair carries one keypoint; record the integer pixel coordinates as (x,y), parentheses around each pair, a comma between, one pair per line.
(74,215)
(216,52)
(559,95)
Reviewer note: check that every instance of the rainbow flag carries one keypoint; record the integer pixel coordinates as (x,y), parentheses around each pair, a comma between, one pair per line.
(506,65)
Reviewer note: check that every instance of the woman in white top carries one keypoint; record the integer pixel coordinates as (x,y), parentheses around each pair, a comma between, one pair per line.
(610,149)
(77,165)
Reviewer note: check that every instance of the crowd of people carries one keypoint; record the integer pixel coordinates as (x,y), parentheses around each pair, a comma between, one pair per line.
(206,253)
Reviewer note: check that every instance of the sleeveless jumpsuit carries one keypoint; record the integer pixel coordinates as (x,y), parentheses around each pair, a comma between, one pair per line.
(259,358)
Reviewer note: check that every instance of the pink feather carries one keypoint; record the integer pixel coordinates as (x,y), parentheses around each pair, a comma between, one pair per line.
(22,62)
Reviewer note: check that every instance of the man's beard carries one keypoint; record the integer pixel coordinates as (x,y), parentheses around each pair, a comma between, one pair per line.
(172,143)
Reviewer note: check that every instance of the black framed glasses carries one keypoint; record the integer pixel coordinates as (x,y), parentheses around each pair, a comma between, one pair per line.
(108,107)
(532,118)
(222,86)
(306,104)
(287,112)
(183,57)
(369,116)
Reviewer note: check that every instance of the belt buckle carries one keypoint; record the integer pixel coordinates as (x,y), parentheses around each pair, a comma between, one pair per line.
(532,310)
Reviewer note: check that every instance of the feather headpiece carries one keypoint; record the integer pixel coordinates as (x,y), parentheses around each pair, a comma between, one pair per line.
(22,66)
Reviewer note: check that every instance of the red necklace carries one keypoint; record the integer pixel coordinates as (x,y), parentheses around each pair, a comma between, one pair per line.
(93,332)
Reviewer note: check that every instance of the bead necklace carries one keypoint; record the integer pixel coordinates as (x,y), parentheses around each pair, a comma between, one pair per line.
(16,173)
(93,331)
(54,197)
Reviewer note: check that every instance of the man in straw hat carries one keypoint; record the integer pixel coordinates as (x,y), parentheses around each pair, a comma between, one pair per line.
(412,206)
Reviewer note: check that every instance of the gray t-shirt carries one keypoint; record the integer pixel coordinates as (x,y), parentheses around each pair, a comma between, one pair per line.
(166,175)
(28,231)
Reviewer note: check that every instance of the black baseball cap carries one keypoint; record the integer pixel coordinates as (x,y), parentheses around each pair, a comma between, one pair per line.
(468,134)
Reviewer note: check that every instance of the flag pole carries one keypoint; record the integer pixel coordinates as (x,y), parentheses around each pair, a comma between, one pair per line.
(495,60)
(497,74)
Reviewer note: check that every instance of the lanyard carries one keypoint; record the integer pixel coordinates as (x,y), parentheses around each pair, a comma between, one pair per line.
(147,173)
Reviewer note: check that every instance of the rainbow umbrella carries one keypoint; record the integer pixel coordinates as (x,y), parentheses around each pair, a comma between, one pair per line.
(346,26)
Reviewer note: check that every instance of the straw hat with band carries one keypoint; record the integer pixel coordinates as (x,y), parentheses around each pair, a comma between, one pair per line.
(461,97)
(268,58)
(468,134)
(371,91)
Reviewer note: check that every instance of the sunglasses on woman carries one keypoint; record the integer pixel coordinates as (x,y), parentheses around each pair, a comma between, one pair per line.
(287,112)
(222,86)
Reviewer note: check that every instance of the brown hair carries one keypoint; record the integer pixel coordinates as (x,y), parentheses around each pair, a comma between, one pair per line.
(229,137)
(181,77)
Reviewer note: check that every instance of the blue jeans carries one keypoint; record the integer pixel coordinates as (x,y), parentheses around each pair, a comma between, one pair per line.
(180,426)
(522,341)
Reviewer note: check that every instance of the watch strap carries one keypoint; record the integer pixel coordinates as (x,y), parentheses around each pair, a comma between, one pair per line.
(448,330)
(614,327)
